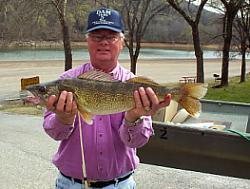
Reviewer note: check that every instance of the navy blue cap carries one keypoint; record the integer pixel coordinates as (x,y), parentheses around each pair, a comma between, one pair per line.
(104,18)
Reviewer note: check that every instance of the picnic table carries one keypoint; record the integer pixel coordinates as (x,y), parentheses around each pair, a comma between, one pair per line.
(188,79)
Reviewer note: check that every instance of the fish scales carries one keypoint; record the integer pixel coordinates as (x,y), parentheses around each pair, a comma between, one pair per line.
(104,97)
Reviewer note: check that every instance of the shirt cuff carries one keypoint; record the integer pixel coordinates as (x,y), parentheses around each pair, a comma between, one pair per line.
(143,126)
(56,129)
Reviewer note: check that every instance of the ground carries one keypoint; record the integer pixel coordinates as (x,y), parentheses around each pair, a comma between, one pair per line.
(25,162)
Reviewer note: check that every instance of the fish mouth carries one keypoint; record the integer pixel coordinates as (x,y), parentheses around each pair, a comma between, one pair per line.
(30,98)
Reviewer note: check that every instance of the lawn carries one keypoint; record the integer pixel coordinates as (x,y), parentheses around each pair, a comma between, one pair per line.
(235,91)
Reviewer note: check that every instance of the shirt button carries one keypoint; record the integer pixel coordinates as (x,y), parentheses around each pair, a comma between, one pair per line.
(100,153)
(100,135)
(100,119)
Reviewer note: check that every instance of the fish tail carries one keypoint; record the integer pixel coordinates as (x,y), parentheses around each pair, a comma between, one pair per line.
(190,95)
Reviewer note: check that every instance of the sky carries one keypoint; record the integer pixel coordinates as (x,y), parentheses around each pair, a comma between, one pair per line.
(207,7)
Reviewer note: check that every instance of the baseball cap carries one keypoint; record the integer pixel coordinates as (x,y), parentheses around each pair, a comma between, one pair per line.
(105,18)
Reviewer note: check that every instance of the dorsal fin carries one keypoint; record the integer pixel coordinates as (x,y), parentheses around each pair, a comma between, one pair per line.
(143,80)
(96,75)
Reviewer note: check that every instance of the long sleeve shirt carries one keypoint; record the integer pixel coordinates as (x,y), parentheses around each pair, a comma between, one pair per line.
(109,145)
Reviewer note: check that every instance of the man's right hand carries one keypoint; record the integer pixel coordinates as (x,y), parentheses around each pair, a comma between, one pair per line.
(65,107)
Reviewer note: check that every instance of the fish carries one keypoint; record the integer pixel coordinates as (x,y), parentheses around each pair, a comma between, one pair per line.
(97,93)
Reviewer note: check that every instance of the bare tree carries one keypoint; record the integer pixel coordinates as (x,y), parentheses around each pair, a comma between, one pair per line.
(242,28)
(17,19)
(3,17)
(193,21)
(138,15)
(231,9)
(61,10)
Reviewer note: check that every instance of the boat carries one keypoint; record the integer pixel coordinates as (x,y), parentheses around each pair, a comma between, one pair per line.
(218,142)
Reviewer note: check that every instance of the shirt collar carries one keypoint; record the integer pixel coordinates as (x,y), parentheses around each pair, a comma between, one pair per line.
(114,72)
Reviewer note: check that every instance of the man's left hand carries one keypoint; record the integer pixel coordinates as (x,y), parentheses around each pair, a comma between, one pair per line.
(146,104)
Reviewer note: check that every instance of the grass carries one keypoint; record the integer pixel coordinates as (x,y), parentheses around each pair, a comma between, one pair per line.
(234,92)
(19,108)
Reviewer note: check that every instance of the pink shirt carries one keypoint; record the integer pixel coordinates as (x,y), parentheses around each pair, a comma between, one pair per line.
(109,145)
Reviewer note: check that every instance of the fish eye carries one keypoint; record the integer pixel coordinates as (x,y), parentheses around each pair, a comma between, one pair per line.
(42,89)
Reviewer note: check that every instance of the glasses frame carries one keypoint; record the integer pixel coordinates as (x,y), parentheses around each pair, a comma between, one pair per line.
(112,38)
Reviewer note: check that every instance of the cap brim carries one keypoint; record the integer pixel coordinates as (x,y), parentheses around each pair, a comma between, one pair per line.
(104,27)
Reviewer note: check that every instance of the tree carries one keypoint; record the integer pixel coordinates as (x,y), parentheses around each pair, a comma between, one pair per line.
(138,15)
(61,10)
(193,21)
(231,9)
(242,28)
(17,19)
(3,18)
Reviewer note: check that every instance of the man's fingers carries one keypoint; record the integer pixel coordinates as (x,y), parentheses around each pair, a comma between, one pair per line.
(166,101)
(153,98)
(74,107)
(145,99)
(61,101)
(137,98)
(50,103)
(68,103)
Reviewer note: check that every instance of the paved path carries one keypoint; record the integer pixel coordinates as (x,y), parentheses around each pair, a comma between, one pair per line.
(25,162)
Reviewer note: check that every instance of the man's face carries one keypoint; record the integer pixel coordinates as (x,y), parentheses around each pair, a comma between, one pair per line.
(104,48)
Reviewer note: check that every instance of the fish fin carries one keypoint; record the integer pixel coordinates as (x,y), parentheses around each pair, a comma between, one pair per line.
(190,95)
(143,80)
(191,105)
(96,75)
(87,117)
(195,90)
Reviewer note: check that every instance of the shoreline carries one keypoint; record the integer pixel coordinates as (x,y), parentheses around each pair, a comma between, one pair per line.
(75,45)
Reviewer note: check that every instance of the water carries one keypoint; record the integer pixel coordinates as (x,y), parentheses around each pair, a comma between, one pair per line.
(80,54)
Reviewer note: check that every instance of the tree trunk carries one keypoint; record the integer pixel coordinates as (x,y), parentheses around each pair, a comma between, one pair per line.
(226,48)
(135,55)
(243,65)
(133,64)
(130,45)
(198,54)
(61,10)
(67,46)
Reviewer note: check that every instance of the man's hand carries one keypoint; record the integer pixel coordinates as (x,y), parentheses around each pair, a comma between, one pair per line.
(146,104)
(65,107)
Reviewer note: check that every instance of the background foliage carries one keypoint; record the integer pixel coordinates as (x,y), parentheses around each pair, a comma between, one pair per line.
(36,20)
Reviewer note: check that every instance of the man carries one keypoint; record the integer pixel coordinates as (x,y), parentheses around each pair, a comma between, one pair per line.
(110,142)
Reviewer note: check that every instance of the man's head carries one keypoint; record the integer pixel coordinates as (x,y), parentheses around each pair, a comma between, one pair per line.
(104,18)
(105,38)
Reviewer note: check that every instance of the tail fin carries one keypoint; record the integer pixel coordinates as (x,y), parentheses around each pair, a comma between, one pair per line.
(190,95)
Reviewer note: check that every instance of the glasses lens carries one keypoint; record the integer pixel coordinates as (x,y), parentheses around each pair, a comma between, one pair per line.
(109,38)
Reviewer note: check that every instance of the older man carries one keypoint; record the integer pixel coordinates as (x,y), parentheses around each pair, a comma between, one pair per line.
(110,142)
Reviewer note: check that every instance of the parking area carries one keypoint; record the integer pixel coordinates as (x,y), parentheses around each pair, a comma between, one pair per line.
(25,162)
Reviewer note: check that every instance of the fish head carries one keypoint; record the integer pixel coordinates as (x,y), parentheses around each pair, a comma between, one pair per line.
(41,92)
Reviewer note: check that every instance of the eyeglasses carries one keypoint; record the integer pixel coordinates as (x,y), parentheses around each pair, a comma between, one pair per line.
(109,38)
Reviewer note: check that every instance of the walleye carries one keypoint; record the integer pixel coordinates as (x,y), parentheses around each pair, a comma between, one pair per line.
(97,93)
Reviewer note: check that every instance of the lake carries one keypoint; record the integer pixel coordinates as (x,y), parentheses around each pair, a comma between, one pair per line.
(80,54)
